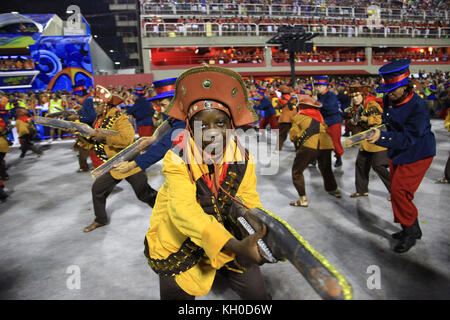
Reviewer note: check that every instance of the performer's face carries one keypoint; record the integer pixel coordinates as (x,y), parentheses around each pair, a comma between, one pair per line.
(397,93)
(357,99)
(163,104)
(99,106)
(79,98)
(213,126)
(321,88)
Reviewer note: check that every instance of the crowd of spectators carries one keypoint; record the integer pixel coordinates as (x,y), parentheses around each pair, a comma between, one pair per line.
(256,55)
(379,56)
(418,18)
(324,56)
(411,8)
(233,55)
(37,102)
(394,4)
(421,55)
(247,26)
(16,64)
(430,86)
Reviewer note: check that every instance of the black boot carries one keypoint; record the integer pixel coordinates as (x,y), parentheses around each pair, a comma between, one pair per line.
(408,238)
(338,162)
(3,195)
(399,235)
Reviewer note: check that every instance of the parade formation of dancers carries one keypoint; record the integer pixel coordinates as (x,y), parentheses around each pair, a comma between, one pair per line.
(191,236)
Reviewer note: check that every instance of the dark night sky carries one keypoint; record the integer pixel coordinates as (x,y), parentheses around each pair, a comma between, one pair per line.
(55,6)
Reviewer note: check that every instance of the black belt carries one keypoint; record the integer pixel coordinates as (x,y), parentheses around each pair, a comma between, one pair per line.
(185,258)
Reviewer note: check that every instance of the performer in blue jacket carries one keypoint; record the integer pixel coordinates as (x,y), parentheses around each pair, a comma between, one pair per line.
(411,147)
(158,149)
(86,115)
(270,115)
(142,111)
(331,114)
(344,101)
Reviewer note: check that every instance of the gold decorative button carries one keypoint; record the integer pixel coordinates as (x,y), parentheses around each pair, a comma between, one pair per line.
(207,84)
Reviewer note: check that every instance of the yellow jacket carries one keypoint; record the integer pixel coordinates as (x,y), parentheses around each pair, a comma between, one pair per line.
(23,127)
(4,147)
(275,105)
(447,121)
(10,106)
(177,215)
(321,140)
(373,111)
(116,143)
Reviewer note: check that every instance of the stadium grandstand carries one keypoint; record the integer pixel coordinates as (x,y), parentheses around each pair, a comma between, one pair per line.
(351,36)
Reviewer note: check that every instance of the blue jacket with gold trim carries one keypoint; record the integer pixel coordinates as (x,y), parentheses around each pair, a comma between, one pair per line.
(408,137)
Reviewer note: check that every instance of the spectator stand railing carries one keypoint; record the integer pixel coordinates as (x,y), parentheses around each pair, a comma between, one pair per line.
(238,29)
(444,33)
(152,29)
(286,10)
(282,60)
(380,60)
(243,60)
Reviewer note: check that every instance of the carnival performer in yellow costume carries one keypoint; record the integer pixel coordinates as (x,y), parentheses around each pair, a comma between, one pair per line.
(190,237)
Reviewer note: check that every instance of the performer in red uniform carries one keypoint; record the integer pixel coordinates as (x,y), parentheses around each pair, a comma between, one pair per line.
(331,113)
(411,147)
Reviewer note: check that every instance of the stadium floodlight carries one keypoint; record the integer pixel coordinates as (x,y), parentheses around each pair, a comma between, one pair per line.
(293,39)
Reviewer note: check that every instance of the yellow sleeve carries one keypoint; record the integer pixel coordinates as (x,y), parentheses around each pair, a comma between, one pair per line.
(375,118)
(275,102)
(447,121)
(22,128)
(188,216)
(247,190)
(299,125)
(85,143)
(125,135)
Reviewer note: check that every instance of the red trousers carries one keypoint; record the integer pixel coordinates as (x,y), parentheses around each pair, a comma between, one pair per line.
(96,161)
(335,133)
(145,131)
(272,120)
(405,180)
(443,113)
(346,125)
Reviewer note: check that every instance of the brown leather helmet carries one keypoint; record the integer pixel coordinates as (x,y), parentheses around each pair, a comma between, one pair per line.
(204,84)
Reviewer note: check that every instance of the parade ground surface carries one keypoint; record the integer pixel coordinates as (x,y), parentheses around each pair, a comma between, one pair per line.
(43,246)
